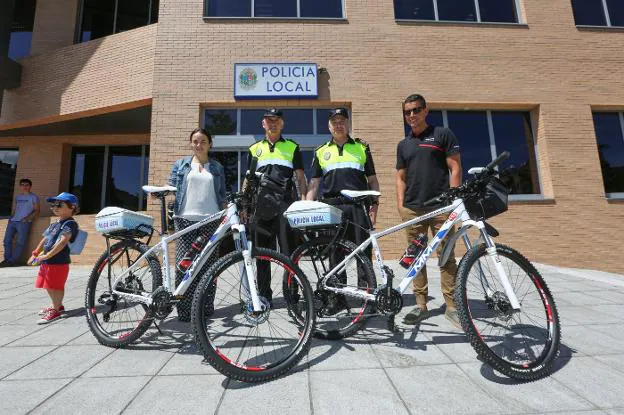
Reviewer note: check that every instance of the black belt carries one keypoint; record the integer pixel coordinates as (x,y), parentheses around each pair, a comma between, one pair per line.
(339,200)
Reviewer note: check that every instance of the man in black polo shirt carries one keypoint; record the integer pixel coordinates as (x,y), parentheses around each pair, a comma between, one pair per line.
(428,161)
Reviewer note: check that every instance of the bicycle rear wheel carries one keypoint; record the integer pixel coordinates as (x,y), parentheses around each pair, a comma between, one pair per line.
(116,320)
(522,345)
(246,345)
(337,321)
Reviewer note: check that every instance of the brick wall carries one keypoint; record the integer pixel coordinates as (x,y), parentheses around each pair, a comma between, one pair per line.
(55,25)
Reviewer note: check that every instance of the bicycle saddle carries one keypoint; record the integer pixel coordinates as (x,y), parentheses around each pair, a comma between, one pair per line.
(159,191)
(359,195)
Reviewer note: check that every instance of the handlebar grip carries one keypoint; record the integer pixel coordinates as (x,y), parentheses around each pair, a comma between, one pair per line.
(431,202)
(498,160)
(252,166)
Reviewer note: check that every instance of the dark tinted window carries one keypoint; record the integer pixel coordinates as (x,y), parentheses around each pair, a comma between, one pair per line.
(321,8)
(616,12)
(154,12)
(298,121)
(8,167)
(414,9)
(132,14)
(512,132)
(86,177)
(589,12)
(457,10)
(498,11)
(220,122)
(471,130)
(275,8)
(98,18)
(21,29)
(322,118)
(229,8)
(611,150)
(124,178)
(251,122)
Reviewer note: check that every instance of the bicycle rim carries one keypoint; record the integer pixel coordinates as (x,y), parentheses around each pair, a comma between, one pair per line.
(521,344)
(243,344)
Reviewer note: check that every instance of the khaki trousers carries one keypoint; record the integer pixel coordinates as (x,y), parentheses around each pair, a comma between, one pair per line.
(448,271)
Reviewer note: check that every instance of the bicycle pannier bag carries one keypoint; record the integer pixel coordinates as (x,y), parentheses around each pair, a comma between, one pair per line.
(270,196)
(493,201)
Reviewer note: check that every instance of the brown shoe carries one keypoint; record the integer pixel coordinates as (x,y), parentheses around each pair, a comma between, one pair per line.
(453,317)
(415,316)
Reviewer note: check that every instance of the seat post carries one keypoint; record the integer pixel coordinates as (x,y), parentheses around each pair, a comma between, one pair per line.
(163,215)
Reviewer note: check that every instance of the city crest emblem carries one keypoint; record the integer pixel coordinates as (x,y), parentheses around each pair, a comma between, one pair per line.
(326,156)
(258,152)
(248,78)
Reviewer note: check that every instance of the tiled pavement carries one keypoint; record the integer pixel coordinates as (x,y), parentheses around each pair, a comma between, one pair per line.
(60,368)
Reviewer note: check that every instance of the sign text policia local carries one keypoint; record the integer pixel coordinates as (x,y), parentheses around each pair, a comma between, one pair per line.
(277,80)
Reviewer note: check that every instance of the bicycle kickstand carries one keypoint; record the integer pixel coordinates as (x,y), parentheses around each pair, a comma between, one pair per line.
(157,328)
(391,324)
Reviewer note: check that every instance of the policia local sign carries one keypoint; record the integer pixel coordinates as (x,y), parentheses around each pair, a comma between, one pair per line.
(275,80)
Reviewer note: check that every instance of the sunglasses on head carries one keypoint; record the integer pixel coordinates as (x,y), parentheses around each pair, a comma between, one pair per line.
(57,204)
(416,110)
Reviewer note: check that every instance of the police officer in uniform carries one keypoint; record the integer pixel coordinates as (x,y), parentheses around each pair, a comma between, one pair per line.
(278,158)
(345,163)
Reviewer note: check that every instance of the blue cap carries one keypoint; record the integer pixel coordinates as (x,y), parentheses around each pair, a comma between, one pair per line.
(64,197)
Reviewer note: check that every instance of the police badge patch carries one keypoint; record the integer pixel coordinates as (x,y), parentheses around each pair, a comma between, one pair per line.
(258,152)
(327,155)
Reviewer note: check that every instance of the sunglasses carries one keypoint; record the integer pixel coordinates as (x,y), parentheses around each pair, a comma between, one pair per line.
(57,205)
(24,184)
(416,110)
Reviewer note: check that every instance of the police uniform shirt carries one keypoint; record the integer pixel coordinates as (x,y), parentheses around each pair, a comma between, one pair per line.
(424,159)
(343,168)
(277,160)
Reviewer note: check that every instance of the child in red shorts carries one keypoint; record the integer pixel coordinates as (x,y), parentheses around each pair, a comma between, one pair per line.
(53,254)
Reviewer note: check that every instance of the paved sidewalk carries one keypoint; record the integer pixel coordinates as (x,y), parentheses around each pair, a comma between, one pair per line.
(60,368)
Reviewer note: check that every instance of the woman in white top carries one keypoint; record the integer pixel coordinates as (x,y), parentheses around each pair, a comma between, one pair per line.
(200,181)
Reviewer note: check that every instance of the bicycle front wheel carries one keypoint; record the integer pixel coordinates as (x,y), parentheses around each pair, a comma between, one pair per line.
(521,344)
(116,320)
(337,316)
(243,344)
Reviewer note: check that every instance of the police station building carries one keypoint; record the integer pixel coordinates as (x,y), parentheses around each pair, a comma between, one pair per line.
(98,97)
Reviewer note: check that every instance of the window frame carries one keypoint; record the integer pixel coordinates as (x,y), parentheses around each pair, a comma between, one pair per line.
(12,198)
(298,17)
(78,32)
(144,155)
(436,16)
(494,152)
(613,195)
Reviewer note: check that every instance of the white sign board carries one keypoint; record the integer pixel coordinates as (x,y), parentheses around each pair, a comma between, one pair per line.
(275,80)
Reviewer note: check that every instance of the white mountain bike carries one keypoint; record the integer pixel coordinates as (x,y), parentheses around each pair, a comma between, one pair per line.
(504,305)
(242,334)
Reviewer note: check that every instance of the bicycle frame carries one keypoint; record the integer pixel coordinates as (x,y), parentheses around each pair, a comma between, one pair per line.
(456,213)
(229,220)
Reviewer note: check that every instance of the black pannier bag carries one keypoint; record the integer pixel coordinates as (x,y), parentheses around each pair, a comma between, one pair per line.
(492,202)
(269,198)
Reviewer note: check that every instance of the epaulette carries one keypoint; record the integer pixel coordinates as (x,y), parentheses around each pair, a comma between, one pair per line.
(322,145)
(361,141)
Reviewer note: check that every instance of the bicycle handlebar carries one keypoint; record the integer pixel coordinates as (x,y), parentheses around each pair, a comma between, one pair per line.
(498,160)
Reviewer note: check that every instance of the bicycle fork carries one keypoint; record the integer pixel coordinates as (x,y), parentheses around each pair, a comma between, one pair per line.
(247,269)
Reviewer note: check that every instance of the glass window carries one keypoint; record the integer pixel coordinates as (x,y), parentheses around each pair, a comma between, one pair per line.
(608,126)
(298,121)
(321,8)
(119,171)
(8,168)
(275,8)
(132,14)
(471,130)
(229,160)
(589,12)
(498,11)
(104,17)
(512,132)
(220,122)
(414,9)
(616,12)
(20,38)
(229,8)
(433,118)
(98,19)
(463,10)
(251,122)
(322,121)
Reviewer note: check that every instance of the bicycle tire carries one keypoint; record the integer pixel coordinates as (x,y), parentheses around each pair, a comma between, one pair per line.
(534,348)
(234,339)
(345,322)
(101,306)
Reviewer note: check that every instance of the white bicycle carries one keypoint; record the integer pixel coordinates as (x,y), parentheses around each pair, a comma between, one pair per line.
(504,305)
(242,334)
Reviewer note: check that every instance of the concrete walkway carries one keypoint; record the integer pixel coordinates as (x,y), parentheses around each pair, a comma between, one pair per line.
(60,368)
